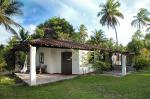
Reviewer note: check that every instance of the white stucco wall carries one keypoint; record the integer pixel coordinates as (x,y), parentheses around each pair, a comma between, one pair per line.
(85,66)
(75,62)
(52,58)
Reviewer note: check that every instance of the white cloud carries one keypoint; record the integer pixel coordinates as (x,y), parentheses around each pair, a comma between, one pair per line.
(5,35)
(31,28)
(85,12)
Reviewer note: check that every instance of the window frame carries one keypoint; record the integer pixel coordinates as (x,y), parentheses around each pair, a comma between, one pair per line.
(41,58)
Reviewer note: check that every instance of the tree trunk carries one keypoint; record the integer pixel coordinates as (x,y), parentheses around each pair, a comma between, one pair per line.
(139,25)
(116,37)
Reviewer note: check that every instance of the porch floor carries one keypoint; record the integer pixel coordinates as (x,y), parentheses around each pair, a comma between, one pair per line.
(44,78)
(116,73)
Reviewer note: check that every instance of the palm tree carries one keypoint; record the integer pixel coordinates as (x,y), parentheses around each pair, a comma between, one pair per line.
(9,8)
(98,38)
(82,33)
(141,18)
(109,15)
(23,35)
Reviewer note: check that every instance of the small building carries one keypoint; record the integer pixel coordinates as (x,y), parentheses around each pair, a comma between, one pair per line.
(59,56)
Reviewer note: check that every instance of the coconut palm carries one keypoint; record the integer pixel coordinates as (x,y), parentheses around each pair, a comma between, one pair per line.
(109,15)
(82,33)
(9,8)
(98,38)
(141,18)
(23,35)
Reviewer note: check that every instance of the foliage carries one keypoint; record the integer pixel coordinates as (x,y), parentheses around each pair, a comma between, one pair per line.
(110,43)
(147,41)
(82,34)
(109,15)
(100,61)
(2,61)
(101,66)
(10,60)
(141,18)
(138,35)
(145,53)
(23,35)
(98,38)
(6,80)
(8,55)
(141,62)
(64,36)
(135,46)
(9,8)
(90,57)
(148,28)
(58,25)
(39,33)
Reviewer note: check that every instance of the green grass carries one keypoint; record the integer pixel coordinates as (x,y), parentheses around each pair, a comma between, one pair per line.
(133,86)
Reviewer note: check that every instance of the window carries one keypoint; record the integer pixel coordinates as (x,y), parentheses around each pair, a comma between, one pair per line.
(41,58)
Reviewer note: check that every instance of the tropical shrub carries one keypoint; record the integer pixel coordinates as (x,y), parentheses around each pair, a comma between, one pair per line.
(141,62)
(101,66)
(9,57)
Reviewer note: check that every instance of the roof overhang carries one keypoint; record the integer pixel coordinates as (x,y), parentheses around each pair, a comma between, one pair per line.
(52,43)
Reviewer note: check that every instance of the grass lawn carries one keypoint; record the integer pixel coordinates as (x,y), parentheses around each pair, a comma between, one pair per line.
(133,86)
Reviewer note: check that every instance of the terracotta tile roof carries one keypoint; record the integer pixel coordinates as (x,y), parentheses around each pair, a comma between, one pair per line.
(45,42)
(64,44)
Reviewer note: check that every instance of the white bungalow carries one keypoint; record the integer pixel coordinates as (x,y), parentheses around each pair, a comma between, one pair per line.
(60,57)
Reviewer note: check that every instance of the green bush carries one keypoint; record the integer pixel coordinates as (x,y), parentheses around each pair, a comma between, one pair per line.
(101,66)
(9,57)
(141,62)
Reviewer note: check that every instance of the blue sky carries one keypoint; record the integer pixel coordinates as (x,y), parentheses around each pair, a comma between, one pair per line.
(76,12)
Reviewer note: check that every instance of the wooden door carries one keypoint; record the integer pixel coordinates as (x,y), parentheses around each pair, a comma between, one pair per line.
(66,62)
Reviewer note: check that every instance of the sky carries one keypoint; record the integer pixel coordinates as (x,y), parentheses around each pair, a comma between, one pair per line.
(77,12)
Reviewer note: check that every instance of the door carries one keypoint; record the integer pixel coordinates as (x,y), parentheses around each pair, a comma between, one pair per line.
(66,62)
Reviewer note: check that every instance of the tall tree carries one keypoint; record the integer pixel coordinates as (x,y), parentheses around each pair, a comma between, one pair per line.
(98,38)
(109,15)
(23,35)
(9,8)
(82,33)
(141,18)
(138,35)
(57,27)
(39,33)
(110,43)
(135,46)
(137,42)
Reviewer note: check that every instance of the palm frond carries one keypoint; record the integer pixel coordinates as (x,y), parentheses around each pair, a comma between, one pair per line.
(9,28)
(9,8)
(14,8)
